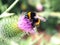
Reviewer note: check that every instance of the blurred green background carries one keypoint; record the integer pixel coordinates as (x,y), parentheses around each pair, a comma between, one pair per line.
(10,34)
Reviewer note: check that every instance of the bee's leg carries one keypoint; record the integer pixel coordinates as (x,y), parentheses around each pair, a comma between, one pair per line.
(33,23)
(27,33)
(35,29)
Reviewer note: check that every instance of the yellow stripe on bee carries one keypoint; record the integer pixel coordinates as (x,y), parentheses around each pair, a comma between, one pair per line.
(29,15)
(37,23)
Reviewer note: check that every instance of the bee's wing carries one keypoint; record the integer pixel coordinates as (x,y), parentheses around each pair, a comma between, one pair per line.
(42,19)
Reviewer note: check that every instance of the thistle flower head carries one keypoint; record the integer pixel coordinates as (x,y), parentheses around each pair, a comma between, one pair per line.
(25,25)
(39,7)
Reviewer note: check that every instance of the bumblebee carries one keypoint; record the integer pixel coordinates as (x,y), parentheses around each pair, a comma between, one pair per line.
(31,16)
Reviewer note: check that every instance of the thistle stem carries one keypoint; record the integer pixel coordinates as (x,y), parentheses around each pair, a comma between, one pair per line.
(11,6)
(7,10)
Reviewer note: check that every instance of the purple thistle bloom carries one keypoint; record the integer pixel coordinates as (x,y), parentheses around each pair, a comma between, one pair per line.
(25,24)
(39,7)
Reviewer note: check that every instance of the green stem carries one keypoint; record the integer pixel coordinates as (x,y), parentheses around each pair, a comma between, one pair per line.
(7,10)
(37,39)
(13,4)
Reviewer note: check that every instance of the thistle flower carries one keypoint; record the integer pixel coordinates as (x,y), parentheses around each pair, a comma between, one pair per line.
(25,25)
(39,7)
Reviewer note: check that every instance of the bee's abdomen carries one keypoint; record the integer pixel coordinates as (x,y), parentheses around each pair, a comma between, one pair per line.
(35,21)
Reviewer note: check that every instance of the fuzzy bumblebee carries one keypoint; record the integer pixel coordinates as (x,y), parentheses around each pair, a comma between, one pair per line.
(28,22)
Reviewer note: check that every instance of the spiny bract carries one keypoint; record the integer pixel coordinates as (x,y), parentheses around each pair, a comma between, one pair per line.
(8,26)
